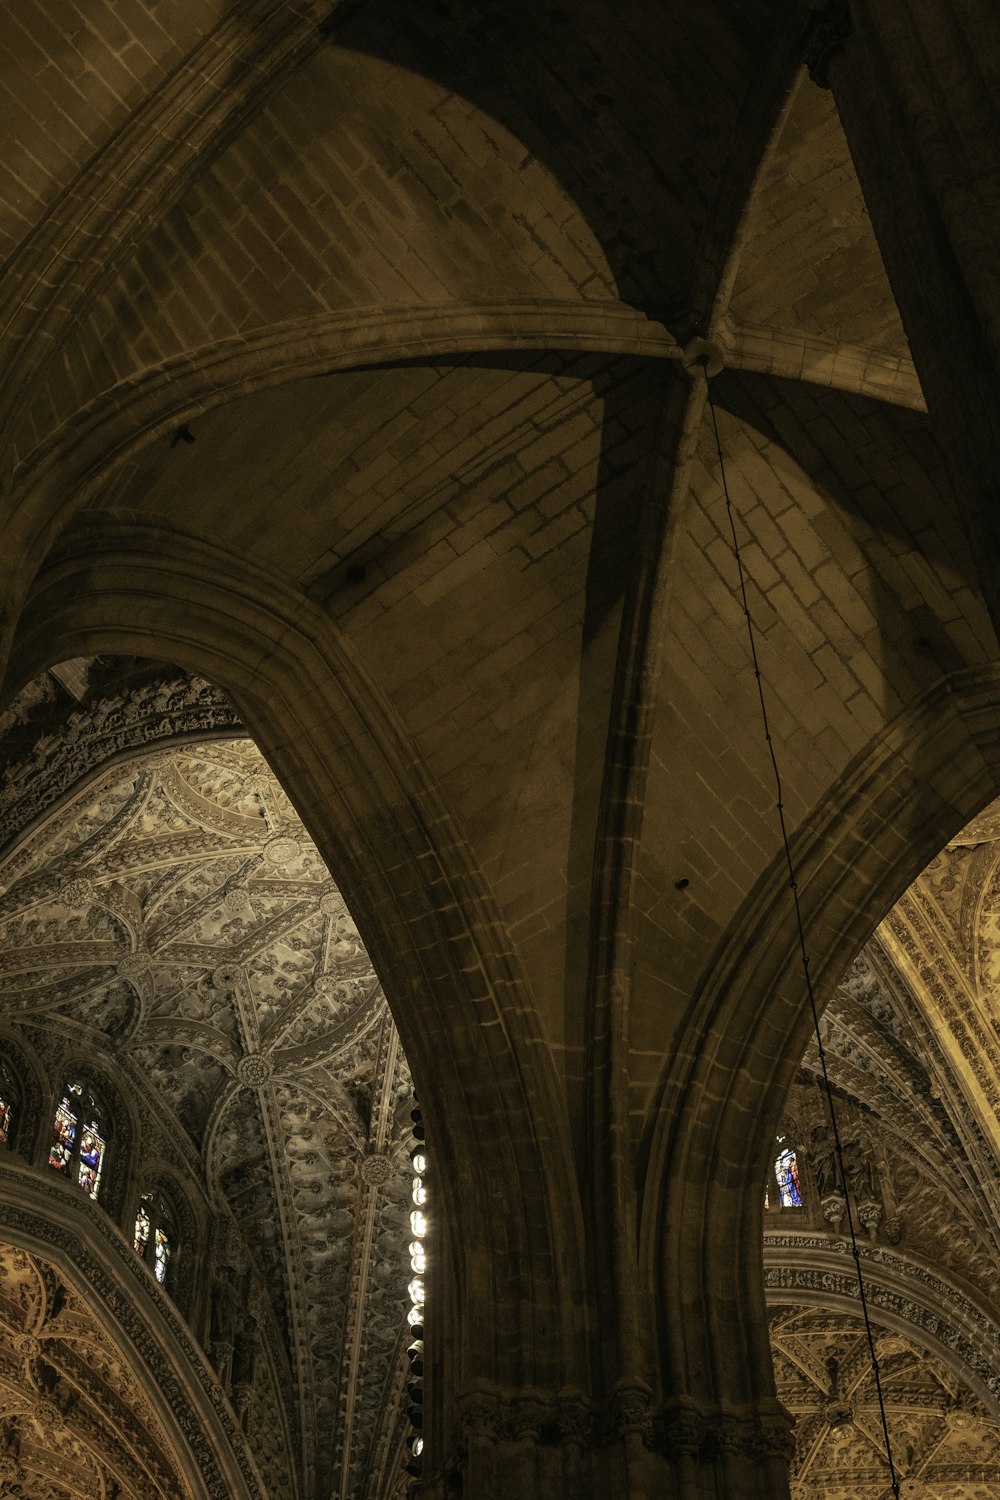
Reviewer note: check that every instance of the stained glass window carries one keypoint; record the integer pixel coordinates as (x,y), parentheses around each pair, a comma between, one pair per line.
(786,1170)
(161,1255)
(63,1136)
(154,1238)
(92,1146)
(79,1138)
(142,1228)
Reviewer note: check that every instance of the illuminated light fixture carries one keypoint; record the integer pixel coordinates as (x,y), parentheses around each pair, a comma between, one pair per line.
(416,1294)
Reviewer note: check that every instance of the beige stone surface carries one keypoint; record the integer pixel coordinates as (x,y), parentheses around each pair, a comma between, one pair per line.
(354,368)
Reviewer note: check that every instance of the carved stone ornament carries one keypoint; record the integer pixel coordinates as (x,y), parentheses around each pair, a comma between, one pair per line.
(682,1432)
(149,713)
(893,1229)
(535,1417)
(934,1309)
(134,964)
(834,1207)
(281,851)
(870,1215)
(576,1420)
(254,1069)
(773,1437)
(225,976)
(631,1409)
(48,1412)
(828,28)
(838,1413)
(482,1414)
(79,891)
(376,1169)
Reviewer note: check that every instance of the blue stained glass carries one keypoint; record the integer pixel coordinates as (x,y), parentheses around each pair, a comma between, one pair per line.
(786,1170)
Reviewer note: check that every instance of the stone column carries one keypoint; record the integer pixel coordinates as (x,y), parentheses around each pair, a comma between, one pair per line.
(512,1446)
(917,87)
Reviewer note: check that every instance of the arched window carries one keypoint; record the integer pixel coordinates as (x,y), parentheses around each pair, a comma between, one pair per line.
(10,1101)
(155,1237)
(786,1172)
(80,1134)
(784,1183)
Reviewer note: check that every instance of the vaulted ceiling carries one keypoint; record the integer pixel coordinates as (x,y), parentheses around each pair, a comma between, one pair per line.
(170,921)
(380,308)
(909,1045)
(74,1420)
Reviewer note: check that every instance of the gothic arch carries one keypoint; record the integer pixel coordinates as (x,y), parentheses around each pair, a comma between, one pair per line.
(120,422)
(189,1256)
(452,981)
(928,775)
(24,1063)
(132,1316)
(904,1294)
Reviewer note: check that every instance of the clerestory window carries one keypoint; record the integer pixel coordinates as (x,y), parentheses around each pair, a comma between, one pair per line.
(155,1238)
(80,1134)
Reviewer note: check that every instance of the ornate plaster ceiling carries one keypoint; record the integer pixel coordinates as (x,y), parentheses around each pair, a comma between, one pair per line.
(911,1045)
(946,1445)
(172,918)
(73,1420)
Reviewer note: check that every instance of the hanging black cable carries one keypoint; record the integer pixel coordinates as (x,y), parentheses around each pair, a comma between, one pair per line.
(794,888)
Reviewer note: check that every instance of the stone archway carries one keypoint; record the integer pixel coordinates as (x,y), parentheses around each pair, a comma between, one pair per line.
(420,904)
(894,809)
(105,1385)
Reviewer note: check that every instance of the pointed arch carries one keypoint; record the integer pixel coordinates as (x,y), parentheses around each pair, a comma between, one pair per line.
(921,781)
(487,1087)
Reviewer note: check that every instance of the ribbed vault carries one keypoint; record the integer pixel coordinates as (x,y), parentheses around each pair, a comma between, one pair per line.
(173,916)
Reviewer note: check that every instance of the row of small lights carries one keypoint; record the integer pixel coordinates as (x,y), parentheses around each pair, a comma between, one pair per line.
(415,1290)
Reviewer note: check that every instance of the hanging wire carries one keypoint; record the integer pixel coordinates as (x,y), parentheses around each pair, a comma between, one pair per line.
(794,888)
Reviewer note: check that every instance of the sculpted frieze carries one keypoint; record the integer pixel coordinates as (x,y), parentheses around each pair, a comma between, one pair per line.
(164,711)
